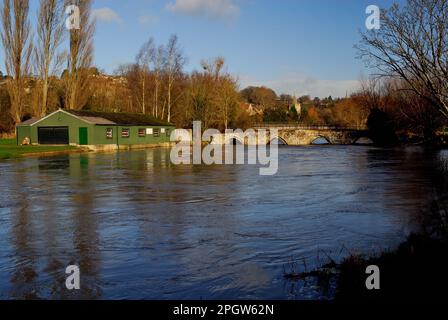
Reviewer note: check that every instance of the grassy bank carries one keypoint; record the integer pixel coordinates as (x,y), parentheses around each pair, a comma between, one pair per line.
(10,150)
(417,269)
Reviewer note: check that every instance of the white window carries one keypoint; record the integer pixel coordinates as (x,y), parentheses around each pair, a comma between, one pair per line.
(109,133)
(125,133)
(149,131)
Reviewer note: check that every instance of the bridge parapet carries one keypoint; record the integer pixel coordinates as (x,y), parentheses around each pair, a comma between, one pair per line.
(302,127)
(295,136)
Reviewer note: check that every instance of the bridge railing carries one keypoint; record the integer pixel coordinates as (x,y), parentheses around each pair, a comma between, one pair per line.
(303,127)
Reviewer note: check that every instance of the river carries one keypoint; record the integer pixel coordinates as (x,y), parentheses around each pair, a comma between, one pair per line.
(140,227)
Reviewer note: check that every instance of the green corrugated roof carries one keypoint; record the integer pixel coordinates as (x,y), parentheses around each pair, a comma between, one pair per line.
(125,119)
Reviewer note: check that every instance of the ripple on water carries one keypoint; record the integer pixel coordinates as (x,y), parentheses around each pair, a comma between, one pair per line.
(143,228)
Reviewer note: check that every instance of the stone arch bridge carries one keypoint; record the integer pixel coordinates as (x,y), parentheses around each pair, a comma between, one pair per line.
(295,135)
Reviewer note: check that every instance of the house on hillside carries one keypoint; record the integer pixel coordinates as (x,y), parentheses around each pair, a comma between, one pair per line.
(251,109)
(96,130)
(297,106)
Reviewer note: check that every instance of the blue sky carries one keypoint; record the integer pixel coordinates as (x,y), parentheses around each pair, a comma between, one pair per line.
(294,46)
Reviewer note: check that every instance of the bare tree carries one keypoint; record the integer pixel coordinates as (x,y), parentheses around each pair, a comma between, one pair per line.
(158,66)
(200,98)
(17,45)
(373,93)
(174,63)
(131,75)
(50,31)
(227,98)
(225,93)
(143,61)
(213,67)
(80,57)
(413,113)
(412,44)
(215,94)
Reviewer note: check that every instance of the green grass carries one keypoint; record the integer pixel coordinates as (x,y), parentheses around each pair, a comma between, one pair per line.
(9,149)
(7,142)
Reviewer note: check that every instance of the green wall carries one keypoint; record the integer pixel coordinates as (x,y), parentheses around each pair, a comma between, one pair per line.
(58,119)
(96,133)
(100,136)
(22,133)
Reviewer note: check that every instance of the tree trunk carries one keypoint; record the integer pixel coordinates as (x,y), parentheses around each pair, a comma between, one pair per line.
(169,102)
(43,110)
(156,114)
(143,96)
(163,110)
(17,102)
(72,104)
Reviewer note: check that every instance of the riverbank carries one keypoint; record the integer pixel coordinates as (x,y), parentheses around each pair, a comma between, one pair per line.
(417,269)
(439,141)
(10,150)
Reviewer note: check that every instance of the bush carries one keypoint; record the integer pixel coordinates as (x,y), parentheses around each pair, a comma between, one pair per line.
(275,115)
(6,121)
(382,128)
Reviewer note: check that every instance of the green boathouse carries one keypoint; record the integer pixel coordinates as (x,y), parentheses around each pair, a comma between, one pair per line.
(98,130)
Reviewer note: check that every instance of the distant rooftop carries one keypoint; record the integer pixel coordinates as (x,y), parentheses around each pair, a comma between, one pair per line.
(109,118)
(30,121)
(128,119)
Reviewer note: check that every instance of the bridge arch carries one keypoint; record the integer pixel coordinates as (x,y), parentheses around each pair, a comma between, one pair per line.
(233,139)
(320,140)
(363,140)
(278,141)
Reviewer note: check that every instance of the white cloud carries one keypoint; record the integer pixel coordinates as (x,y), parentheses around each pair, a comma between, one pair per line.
(211,9)
(107,15)
(148,19)
(305,85)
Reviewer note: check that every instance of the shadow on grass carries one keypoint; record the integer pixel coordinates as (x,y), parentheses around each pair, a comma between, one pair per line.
(417,269)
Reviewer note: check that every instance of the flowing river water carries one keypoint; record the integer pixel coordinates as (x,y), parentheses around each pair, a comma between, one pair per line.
(140,227)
